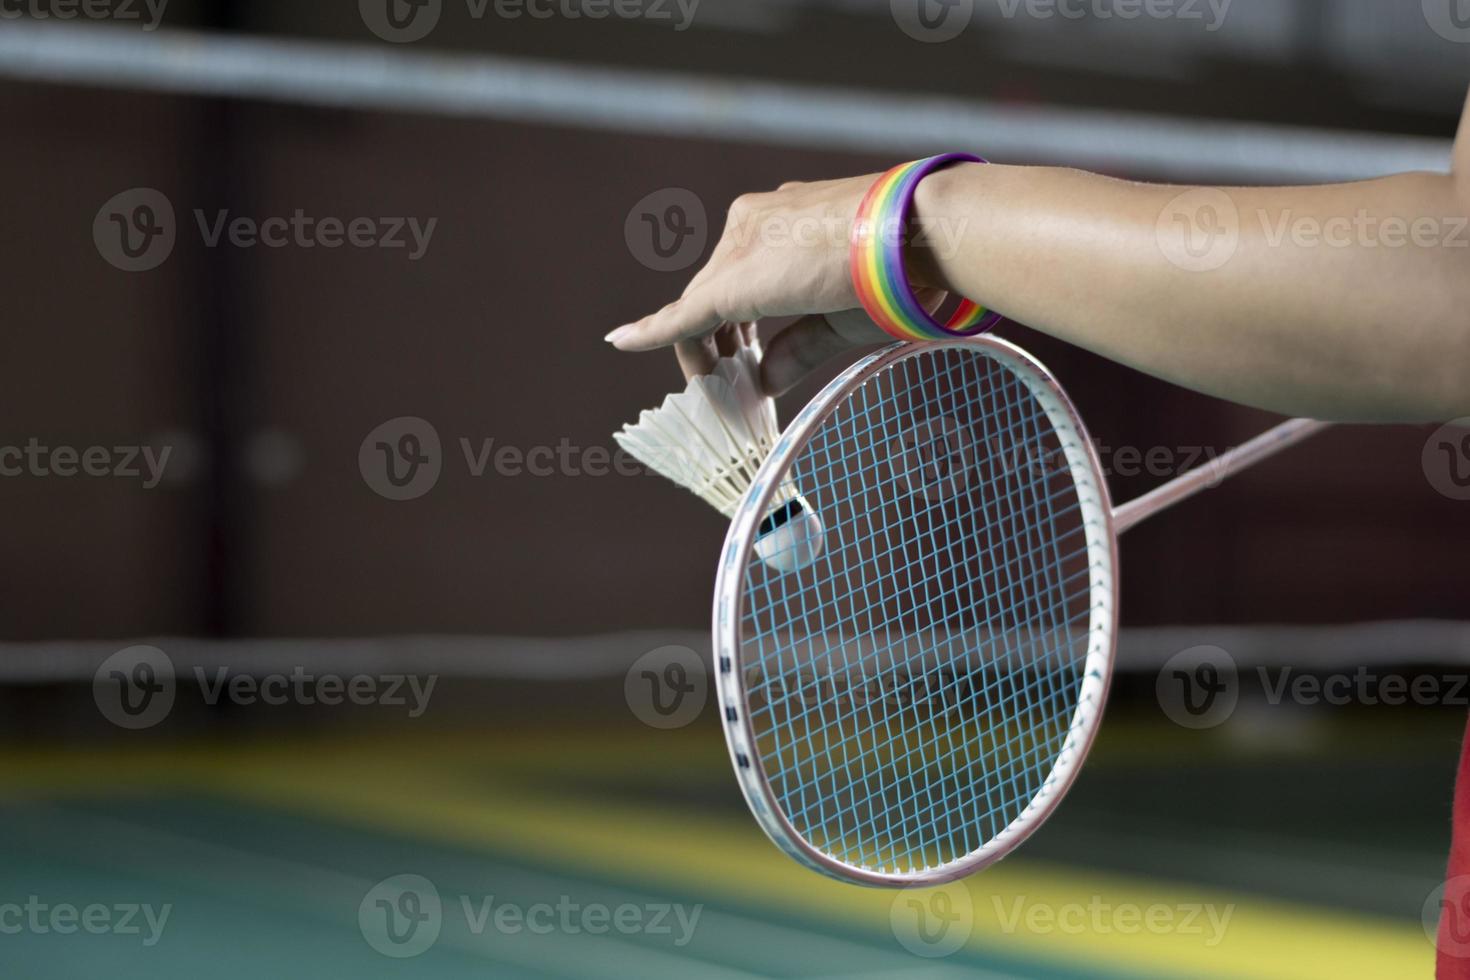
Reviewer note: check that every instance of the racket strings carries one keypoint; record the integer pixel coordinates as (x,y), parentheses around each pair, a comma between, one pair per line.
(876,556)
(939,789)
(1002,756)
(809,690)
(931,542)
(1017,752)
(973,598)
(830,607)
(979,691)
(938,505)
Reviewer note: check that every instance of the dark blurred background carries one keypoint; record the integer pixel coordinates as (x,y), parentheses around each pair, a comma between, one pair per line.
(537,146)
(269,366)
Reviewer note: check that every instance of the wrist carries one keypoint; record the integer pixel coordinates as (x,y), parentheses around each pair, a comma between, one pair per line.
(934,225)
(888,223)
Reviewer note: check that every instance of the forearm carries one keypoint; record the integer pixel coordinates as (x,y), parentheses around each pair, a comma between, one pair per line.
(1347,302)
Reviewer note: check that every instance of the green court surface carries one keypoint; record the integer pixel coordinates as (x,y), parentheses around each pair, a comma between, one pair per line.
(263,852)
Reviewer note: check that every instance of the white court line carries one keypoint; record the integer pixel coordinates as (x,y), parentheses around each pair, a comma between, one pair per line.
(592,657)
(375,77)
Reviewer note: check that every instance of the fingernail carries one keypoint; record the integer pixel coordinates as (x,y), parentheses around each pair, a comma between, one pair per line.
(613,337)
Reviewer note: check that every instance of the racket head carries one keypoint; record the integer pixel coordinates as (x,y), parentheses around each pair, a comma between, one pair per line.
(927,749)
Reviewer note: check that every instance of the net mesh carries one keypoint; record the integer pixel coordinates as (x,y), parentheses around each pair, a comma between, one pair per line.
(910,690)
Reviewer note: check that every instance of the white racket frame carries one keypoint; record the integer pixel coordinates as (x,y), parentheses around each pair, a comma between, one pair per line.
(1102,522)
(1097,516)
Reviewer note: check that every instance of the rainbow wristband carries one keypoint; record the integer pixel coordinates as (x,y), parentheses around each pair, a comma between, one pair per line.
(877,259)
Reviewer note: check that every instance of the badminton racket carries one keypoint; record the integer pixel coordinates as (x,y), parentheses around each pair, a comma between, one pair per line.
(911,706)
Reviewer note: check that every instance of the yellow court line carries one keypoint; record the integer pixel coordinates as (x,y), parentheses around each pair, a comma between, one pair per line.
(417,788)
(693,853)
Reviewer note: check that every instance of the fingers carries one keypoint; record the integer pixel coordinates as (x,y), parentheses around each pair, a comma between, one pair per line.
(729,338)
(809,342)
(797,350)
(696,357)
(857,328)
(689,316)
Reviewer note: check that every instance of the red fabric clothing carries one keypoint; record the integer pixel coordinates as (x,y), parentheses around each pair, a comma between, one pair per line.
(1454,920)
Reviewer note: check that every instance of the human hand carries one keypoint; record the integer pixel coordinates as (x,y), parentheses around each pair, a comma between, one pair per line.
(781,254)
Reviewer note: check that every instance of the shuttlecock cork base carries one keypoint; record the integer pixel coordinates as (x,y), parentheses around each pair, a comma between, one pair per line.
(711,439)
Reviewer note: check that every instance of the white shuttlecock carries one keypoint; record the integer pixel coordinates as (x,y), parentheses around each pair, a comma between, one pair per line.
(711,438)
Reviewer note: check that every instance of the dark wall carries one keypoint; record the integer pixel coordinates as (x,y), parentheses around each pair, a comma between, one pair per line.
(278,363)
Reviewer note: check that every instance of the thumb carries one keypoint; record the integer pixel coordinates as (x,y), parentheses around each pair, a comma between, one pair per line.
(810,342)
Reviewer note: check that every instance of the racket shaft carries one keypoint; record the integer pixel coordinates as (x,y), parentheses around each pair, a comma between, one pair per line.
(1241,458)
